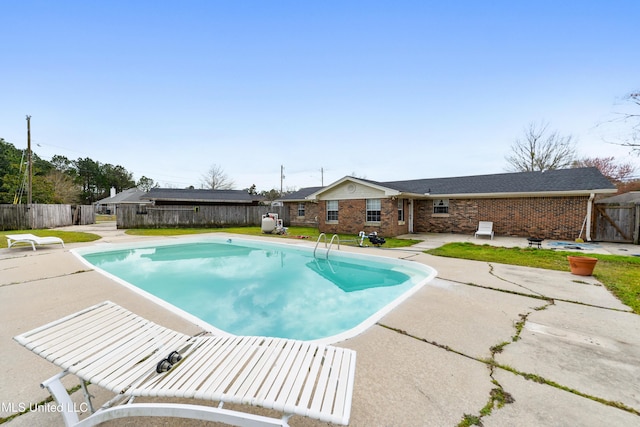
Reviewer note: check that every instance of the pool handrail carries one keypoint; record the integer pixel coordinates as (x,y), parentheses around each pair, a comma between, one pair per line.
(324,236)
(335,236)
(318,242)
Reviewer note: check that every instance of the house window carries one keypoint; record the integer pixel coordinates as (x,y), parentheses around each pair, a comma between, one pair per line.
(373,210)
(400,210)
(300,209)
(332,210)
(441,206)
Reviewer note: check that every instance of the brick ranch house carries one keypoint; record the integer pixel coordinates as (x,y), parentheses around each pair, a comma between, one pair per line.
(553,204)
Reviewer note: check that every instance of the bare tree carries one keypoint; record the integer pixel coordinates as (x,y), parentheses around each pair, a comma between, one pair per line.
(217,179)
(633,141)
(65,191)
(541,149)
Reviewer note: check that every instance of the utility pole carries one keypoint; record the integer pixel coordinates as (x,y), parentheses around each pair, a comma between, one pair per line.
(322,176)
(281,178)
(29,199)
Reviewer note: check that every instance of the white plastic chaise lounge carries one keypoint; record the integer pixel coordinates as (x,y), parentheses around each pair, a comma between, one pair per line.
(111,347)
(30,239)
(485,228)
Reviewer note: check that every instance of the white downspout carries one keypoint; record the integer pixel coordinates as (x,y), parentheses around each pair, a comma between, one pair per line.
(587,233)
(410,216)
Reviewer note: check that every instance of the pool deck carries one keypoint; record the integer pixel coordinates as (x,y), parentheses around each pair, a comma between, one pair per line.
(438,356)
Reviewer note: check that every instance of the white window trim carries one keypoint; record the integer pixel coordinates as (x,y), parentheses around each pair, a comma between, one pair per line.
(337,210)
(367,210)
(403,210)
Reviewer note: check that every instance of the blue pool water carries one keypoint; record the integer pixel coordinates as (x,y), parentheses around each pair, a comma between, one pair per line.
(247,287)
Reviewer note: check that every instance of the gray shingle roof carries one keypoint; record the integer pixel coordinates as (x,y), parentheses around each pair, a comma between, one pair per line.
(560,180)
(578,179)
(189,195)
(132,195)
(300,194)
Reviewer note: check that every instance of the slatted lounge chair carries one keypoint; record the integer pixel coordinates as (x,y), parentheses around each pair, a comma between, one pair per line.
(111,347)
(485,228)
(30,239)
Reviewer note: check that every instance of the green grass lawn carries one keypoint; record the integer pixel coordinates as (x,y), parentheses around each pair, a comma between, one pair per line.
(308,233)
(620,274)
(104,218)
(66,236)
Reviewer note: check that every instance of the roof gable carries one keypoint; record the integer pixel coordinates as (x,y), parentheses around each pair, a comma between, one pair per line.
(354,189)
(350,187)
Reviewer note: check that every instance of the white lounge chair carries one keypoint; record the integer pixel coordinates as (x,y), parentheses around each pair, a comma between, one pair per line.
(485,228)
(113,348)
(30,239)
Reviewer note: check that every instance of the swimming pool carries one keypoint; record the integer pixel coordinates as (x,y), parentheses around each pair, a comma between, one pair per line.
(248,287)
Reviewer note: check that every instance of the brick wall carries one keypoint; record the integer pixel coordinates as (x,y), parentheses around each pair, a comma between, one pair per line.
(390,225)
(555,218)
(352,218)
(310,218)
(462,217)
(545,217)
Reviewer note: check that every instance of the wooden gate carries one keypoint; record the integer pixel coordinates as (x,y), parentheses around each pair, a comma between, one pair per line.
(617,223)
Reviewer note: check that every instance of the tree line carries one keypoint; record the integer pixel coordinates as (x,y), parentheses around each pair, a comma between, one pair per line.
(61,180)
(84,180)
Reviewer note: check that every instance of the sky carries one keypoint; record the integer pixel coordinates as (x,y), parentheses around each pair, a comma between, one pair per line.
(383,90)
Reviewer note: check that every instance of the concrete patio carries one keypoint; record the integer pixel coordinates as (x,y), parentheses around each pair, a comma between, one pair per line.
(559,349)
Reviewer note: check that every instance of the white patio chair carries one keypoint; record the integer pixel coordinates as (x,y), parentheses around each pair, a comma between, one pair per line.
(485,228)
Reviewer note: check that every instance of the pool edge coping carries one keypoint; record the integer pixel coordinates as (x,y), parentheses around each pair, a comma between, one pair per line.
(330,340)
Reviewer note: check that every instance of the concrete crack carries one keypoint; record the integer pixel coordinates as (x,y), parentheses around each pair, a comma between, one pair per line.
(491,272)
(498,396)
(537,296)
(45,278)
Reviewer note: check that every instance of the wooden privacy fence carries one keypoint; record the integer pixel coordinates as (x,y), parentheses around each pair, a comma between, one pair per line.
(83,214)
(618,223)
(145,216)
(36,216)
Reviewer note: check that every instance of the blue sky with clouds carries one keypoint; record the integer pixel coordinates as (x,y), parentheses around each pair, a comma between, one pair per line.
(386,90)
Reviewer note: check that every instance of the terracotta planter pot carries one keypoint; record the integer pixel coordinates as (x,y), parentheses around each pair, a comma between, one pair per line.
(582,265)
